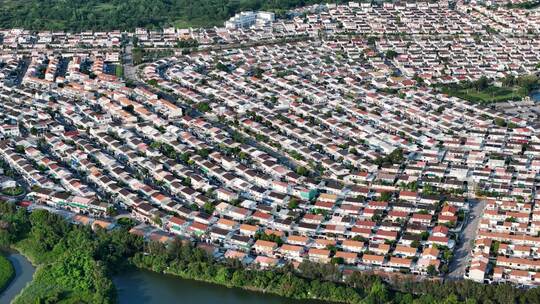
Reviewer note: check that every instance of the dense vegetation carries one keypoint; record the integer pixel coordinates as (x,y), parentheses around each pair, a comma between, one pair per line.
(325,282)
(523,5)
(78,15)
(316,281)
(7,272)
(192,263)
(75,265)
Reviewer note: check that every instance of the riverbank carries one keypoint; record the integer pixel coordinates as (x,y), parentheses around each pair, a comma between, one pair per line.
(66,278)
(74,262)
(145,286)
(7,272)
(256,291)
(22,276)
(29,278)
(318,281)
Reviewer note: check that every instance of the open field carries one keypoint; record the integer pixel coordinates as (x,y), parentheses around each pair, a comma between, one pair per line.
(491,94)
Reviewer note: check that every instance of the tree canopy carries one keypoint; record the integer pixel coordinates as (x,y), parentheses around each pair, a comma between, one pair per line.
(75,262)
(79,15)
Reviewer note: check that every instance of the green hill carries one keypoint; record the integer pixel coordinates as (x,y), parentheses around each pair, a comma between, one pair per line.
(78,15)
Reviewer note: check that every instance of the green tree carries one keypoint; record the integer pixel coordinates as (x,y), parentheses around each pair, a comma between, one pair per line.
(293,203)
(204,107)
(391,54)
(301,170)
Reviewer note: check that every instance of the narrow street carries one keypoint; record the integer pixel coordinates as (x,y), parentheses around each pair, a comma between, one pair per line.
(129,69)
(462,251)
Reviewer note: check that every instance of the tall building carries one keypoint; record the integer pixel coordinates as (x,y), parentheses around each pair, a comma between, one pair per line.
(248,19)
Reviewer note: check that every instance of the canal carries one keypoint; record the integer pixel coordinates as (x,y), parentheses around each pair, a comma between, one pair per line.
(142,286)
(23,275)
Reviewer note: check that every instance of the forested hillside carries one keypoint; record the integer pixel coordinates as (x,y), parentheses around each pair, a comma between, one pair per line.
(77,15)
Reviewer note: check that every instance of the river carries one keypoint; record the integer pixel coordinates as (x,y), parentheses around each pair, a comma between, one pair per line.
(23,274)
(146,287)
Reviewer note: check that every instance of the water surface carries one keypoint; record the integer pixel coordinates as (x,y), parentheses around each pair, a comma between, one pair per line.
(535,95)
(23,275)
(142,286)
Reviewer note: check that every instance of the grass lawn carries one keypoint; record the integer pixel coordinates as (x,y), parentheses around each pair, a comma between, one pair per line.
(14,191)
(491,94)
(137,55)
(119,71)
(7,272)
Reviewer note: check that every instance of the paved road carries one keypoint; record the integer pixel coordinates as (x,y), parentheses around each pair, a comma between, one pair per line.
(129,69)
(463,247)
(12,199)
